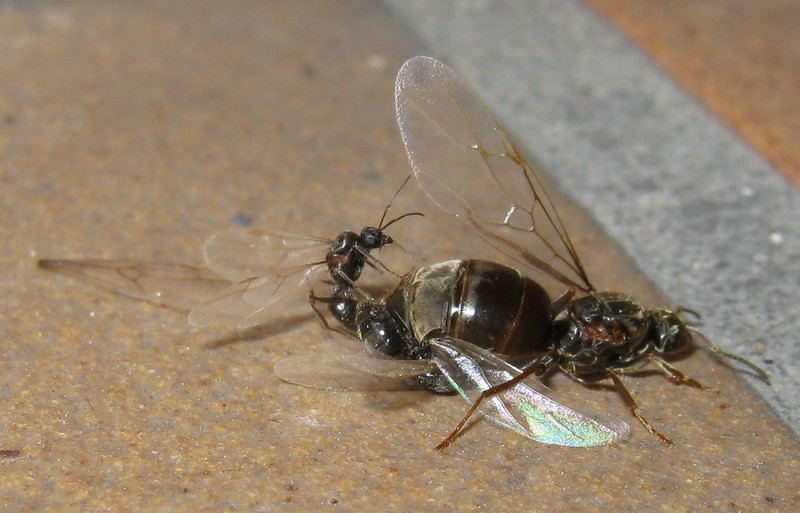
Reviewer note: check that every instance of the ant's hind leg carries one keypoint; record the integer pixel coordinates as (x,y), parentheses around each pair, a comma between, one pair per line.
(628,398)
(313,300)
(533,370)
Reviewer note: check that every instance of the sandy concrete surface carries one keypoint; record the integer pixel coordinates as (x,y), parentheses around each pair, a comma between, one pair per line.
(134,130)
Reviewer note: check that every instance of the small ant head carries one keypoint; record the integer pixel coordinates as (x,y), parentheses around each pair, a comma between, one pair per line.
(373,238)
(669,332)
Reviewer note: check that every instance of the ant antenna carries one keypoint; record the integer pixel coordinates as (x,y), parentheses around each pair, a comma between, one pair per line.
(409,214)
(694,313)
(762,374)
(389,205)
(382,226)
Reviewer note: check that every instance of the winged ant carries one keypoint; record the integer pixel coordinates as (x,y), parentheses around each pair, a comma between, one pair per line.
(466,163)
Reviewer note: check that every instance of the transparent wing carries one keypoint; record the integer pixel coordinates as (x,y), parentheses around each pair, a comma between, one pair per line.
(241,254)
(251,302)
(471,370)
(172,285)
(266,267)
(248,271)
(468,165)
(348,369)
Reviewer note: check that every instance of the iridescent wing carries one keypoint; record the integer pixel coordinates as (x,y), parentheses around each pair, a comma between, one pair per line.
(345,365)
(468,165)
(472,370)
(265,267)
(178,286)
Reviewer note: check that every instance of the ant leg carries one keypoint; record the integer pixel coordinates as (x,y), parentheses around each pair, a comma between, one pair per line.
(352,285)
(679,377)
(628,398)
(380,267)
(376,264)
(533,370)
(312,300)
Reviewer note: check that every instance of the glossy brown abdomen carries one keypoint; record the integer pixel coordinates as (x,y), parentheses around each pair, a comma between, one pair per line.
(487,304)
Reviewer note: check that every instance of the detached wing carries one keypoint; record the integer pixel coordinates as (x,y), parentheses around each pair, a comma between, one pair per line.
(468,165)
(178,286)
(471,370)
(247,272)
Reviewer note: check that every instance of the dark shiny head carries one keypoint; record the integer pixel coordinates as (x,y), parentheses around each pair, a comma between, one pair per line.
(373,238)
(668,332)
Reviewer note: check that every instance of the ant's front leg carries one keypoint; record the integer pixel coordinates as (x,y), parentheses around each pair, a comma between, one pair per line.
(347,285)
(679,377)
